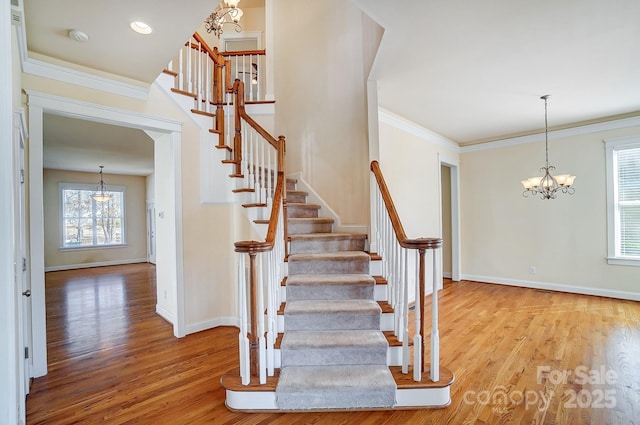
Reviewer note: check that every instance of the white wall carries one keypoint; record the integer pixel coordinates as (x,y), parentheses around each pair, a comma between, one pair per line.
(320,88)
(504,234)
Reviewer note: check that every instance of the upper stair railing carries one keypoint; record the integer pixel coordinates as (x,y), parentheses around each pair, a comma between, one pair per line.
(263,170)
(205,74)
(397,252)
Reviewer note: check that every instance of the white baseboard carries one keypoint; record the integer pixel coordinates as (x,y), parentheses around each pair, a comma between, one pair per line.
(447,275)
(98,264)
(212,323)
(583,290)
(165,314)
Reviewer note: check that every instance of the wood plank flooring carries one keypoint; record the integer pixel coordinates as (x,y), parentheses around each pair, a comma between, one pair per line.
(112,360)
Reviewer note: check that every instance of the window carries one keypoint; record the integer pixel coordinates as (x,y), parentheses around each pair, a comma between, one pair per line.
(87,223)
(623,200)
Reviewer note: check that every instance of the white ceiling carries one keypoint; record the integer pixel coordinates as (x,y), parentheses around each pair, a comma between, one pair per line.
(474,70)
(468,70)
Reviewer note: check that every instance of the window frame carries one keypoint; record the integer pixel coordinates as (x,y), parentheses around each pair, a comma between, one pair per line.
(92,188)
(613,231)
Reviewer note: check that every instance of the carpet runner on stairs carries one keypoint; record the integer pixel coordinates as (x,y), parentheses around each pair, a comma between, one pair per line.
(333,353)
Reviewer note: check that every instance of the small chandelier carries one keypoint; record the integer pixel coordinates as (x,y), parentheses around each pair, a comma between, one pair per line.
(547,185)
(227,12)
(101,194)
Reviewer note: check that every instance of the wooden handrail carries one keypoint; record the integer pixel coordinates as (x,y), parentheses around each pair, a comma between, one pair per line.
(403,240)
(419,244)
(213,53)
(253,247)
(244,53)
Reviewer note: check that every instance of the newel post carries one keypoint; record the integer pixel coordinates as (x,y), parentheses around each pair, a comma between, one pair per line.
(218,84)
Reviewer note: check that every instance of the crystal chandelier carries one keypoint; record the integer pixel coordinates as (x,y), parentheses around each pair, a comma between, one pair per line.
(547,185)
(227,12)
(101,194)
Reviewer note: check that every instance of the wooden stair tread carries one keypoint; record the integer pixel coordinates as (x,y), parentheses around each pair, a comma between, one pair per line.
(170,72)
(261,221)
(232,381)
(243,190)
(384,306)
(226,148)
(254,205)
(205,113)
(375,256)
(184,93)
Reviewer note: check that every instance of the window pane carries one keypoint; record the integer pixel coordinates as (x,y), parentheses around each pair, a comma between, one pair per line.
(629,175)
(78,232)
(87,222)
(630,230)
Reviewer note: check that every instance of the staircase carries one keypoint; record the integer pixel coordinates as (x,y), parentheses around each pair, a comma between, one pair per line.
(336,351)
(332,343)
(333,352)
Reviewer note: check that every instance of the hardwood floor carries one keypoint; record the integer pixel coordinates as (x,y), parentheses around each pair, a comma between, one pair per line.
(113,360)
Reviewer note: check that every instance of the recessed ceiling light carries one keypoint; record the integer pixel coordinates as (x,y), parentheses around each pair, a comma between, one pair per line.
(78,35)
(140,27)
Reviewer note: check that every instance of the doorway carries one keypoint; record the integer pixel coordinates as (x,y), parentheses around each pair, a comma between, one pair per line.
(168,137)
(450,218)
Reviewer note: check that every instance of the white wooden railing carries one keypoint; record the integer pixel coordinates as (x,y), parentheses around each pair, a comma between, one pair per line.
(403,266)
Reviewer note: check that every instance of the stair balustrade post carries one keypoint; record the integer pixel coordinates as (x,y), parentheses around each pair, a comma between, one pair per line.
(219,98)
(254,337)
(282,150)
(237,138)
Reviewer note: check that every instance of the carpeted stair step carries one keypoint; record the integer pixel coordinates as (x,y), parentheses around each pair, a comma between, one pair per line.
(335,387)
(291,183)
(297,226)
(326,242)
(330,287)
(324,348)
(324,315)
(299,210)
(346,262)
(297,196)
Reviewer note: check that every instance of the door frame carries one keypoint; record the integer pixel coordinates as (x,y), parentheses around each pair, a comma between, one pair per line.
(151,232)
(454,165)
(39,103)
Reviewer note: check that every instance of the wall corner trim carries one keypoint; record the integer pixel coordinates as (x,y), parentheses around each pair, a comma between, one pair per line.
(410,127)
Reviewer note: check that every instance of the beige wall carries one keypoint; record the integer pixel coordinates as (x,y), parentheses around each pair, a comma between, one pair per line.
(411,166)
(320,100)
(135,221)
(504,234)
(209,271)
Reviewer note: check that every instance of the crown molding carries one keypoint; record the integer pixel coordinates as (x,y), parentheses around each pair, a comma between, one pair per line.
(71,76)
(555,134)
(410,127)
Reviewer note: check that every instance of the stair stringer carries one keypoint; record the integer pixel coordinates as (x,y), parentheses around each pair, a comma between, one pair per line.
(215,185)
(327,211)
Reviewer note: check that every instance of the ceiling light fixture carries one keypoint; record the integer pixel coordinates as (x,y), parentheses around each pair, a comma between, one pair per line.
(101,194)
(227,12)
(78,35)
(141,28)
(547,185)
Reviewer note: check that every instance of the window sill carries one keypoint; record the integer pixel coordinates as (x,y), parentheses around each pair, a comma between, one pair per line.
(89,248)
(621,261)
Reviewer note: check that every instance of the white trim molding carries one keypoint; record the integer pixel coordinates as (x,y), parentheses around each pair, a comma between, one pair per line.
(97,264)
(548,286)
(555,134)
(611,146)
(410,127)
(71,76)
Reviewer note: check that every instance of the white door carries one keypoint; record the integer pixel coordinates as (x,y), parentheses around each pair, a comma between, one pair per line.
(151,232)
(22,284)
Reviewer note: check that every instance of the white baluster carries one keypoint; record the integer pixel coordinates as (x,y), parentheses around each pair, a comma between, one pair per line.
(189,71)
(245,367)
(406,353)
(181,69)
(417,338)
(435,333)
